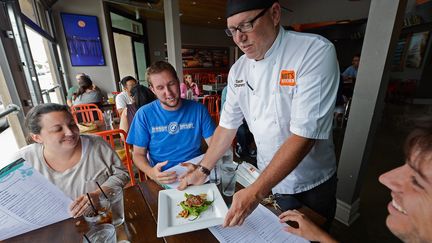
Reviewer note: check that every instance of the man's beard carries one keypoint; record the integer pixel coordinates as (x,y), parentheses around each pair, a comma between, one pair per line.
(171,104)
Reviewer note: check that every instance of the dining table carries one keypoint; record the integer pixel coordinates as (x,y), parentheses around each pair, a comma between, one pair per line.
(98,126)
(140,225)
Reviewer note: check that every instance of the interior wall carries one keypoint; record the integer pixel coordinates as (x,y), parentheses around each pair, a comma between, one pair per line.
(191,35)
(102,76)
(314,11)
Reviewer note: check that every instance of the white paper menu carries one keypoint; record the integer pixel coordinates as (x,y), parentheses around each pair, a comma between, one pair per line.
(261,226)
(28,201)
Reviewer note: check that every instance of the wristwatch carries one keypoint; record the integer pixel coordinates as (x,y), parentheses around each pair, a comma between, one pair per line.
(204,170)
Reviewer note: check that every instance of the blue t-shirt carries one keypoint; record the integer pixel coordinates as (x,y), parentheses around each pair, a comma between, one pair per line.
(171,135)
(350,72)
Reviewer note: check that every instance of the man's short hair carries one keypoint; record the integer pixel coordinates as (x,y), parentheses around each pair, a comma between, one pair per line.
(159,67)
(127,78)
(239,6)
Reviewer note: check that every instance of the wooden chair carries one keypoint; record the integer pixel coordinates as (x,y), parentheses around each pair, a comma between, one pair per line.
(212,102)
(116,138)
(87,115)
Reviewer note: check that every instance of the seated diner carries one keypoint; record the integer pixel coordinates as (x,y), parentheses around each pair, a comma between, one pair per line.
(66,158)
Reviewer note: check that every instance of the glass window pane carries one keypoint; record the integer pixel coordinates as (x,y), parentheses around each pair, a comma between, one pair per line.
(126,24)
(44,66)
(140,60)
(28,10)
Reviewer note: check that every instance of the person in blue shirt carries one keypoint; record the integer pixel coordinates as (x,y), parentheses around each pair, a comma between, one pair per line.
(169,129)
(350,74)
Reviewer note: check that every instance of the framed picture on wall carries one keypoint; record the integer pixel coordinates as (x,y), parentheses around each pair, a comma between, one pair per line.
(416,49)
(397,63)
(205,57)
(83,39)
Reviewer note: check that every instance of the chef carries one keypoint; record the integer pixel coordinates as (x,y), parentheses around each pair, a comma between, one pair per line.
(285,87)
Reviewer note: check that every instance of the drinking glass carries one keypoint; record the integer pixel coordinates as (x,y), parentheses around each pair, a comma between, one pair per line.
(101,214)
(215,174)
(228,178)
(115,196)
(103,233)
(107,115)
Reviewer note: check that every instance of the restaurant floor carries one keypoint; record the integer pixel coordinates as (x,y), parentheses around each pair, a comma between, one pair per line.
(387,154)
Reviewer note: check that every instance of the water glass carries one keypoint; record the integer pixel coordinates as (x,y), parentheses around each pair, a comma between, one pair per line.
(215,174)
(107,115)
(228,178)
(115,196)
(103,233)
(228,156)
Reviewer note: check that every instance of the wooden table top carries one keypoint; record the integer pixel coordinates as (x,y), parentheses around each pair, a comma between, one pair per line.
(141,213)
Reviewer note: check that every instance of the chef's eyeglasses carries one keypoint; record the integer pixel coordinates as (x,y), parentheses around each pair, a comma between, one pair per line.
(244,27)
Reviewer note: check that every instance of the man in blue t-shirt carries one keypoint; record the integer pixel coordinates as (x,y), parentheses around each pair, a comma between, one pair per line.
(170,129)
(350,74)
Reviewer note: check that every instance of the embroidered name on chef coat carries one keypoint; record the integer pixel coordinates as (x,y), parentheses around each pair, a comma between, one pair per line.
(239,83)
(287,78)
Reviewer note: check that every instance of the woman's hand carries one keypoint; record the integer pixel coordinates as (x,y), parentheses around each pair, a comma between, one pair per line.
(156,174)
(82,204)
(306,228)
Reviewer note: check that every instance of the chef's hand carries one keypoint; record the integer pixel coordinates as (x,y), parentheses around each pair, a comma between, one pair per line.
(156,174)
(244,202)
(306,228)
(191,177)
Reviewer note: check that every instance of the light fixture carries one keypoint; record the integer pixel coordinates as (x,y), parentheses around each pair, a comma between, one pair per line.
(345,21)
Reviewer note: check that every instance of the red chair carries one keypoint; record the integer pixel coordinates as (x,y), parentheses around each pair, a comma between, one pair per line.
(83,107)
(116,138)
(87,115)
(212,102)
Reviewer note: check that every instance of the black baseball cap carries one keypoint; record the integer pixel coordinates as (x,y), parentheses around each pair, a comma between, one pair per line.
(238,6)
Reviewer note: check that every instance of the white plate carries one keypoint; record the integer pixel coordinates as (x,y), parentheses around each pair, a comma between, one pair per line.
(168,209)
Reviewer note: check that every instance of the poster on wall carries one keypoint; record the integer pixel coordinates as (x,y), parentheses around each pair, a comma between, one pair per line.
(83,39)
(416,49)
(399,55)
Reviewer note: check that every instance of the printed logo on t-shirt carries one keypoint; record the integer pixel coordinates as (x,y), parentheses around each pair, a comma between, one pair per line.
(287,78)
(173,127)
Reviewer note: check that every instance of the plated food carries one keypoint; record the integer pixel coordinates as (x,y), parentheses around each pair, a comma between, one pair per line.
(194,205)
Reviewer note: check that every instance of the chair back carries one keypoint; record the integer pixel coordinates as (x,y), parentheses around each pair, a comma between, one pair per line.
(83,107)
(87,115)
(212,102)
(116,138)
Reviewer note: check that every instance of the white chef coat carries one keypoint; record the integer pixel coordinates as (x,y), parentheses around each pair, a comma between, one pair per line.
(122,100)
(299,102)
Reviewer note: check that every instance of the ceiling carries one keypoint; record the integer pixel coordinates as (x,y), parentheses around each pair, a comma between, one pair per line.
(207,13)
